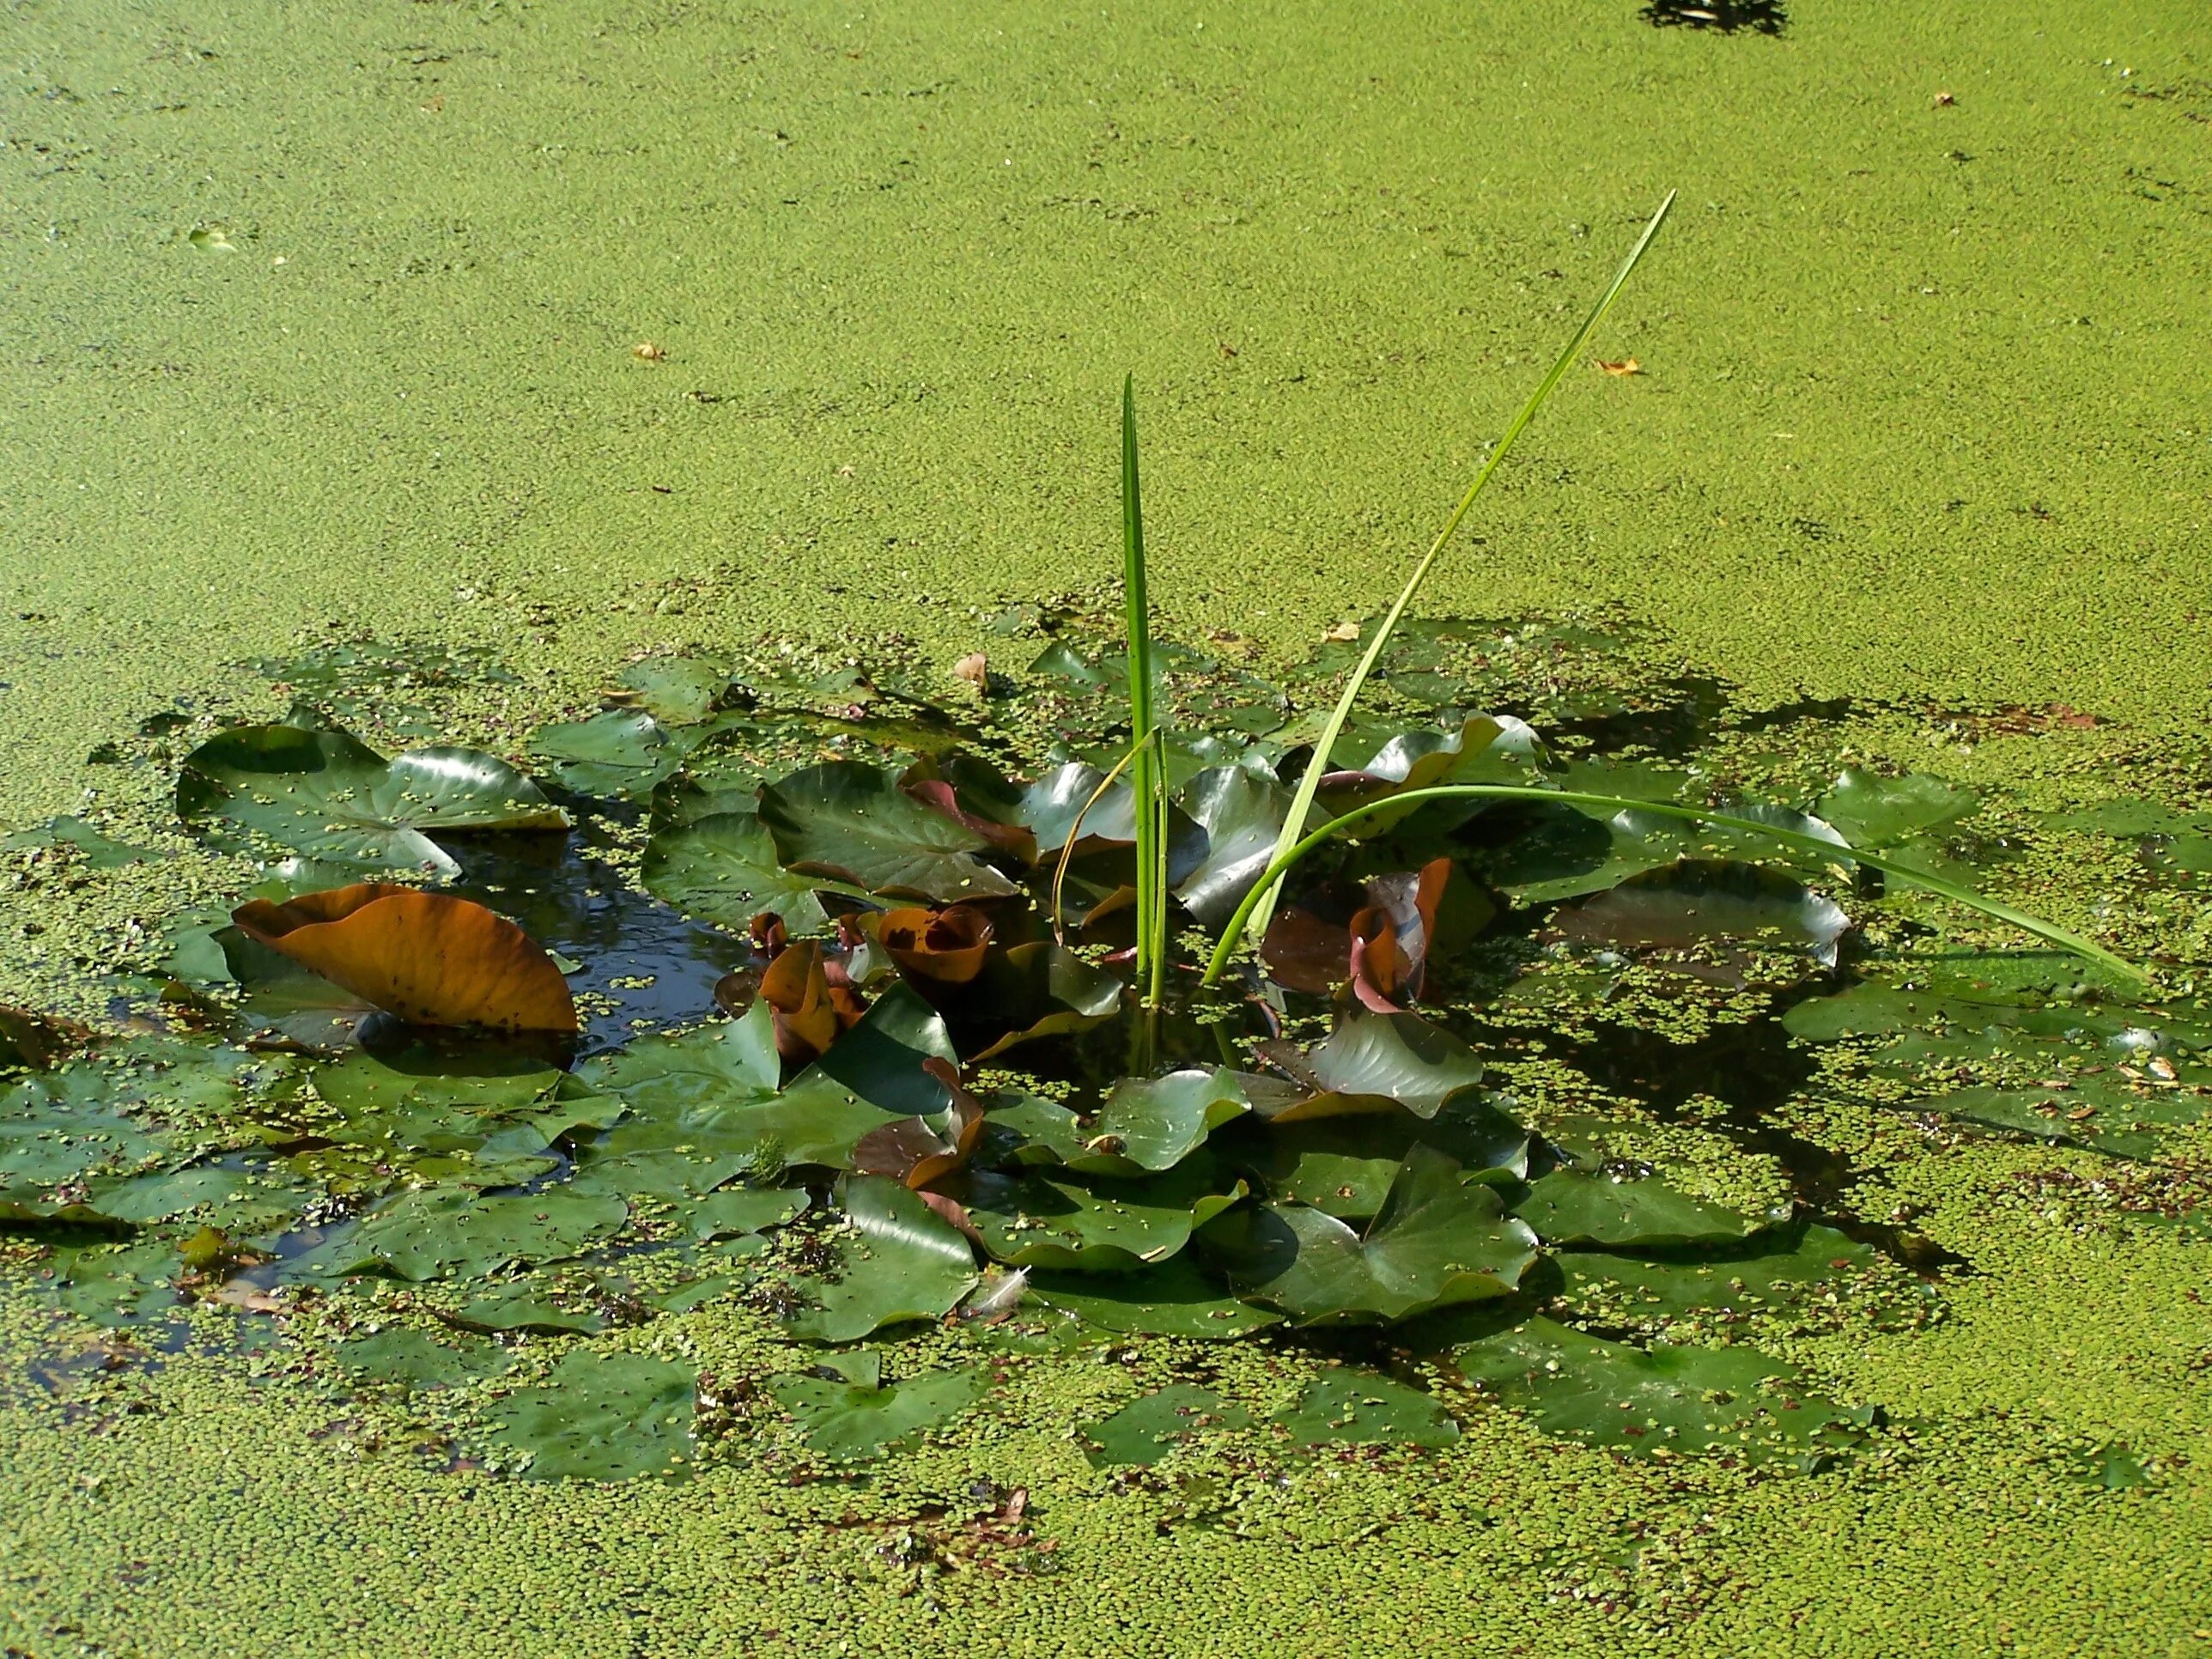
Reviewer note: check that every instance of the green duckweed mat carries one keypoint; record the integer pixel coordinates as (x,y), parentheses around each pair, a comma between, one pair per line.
(321,326)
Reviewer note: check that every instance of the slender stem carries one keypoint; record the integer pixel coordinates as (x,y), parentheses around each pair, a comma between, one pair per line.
(1147,777)
(1302,804)
(1282,861)
(1074,832)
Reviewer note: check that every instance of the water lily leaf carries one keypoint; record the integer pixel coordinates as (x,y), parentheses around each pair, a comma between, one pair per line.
(413,1361)
(1242,814)
(1146,1430)
(622,753)
(113,1284)
(1344,1407)
(678,690)
(1177,1298)
(1664,1398)
(896,1261)
(34,1041)
(429,957)
(1040,990)
(935,949)
(723,868)
(874,1076)
(477,1078)
(1090,1224)
(847,1421)
(1574,1206)
(1485,749)
(665,1078)
(1871,810)
(97,851)
(1819,1265)
(1024,1129)
(1154,1123)
(1346,1165)
(1436,1242)
(742,1210)
(1374,1062)
(915,1150)
(602,1417)
(439,1232)
(854,823)
(1698,899)
(326,795)
(237,1198)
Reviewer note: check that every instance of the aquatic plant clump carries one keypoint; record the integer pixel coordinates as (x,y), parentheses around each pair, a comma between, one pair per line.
(913,1078)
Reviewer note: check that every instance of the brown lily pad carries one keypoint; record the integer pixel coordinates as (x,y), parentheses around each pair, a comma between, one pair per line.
(431,958)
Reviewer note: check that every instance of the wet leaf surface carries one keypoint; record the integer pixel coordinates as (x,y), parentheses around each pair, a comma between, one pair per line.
(845,1421)
(896,1261)
(1352,1407)
(854,823)
(1146,1430)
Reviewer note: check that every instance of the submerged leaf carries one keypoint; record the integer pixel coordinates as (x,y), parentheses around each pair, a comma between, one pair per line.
(1146,1430)
(1699,899)
(429,957)
(326,795)
(1344,1407)
(1572,1206)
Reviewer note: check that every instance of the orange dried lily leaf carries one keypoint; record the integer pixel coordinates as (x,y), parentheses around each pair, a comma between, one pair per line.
(1626,366)
(934,948)
(916,1150)
(431,958)
(811,1008)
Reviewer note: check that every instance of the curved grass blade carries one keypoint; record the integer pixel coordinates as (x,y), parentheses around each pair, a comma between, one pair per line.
(2050,932)
(1256,915)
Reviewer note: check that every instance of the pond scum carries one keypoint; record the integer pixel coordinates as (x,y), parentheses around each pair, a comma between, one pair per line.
(819,1015)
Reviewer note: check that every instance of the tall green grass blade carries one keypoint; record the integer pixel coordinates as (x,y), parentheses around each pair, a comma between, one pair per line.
(1147,778)
(2049,932)
(1311,784)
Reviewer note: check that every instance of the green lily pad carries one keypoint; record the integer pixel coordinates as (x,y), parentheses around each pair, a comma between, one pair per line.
(622,753)
(1346,1165)
(326,795)
(1787,1276)
(1177,1298)
(1091,1223)
(1154,1123)
(477,1079)
(1661,1399)
(896,1261)
(98,852)
(1481,749)
(1436,1242)
(1372,1062)
(1146,1430)
(1344,1407)
(723,868)
(846,1421)
(1040,990)
(412,1360)
(872,1076)
(1242,814)
(1574,1206)
(1871,810)
(237,1199)
(130,1284)
(436,1232)
(679,690)
(714,1065)
(1698,899)
(854,823)
(602,1417)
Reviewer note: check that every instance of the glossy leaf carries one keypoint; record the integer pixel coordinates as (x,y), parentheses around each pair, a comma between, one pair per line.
(622,753)
(723,868)
(328,795)
(1436,1242)
(1090,1224)
(435,1232)
(1371,1062)
(1177,1298)
(854,823)
(895,1261)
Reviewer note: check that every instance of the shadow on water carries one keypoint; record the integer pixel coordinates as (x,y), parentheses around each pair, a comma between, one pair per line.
(1721,16)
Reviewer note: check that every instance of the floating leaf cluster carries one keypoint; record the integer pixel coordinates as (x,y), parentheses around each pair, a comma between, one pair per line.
(920,1091)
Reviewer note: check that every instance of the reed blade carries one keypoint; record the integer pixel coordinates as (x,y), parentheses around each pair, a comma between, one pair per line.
(1309,785)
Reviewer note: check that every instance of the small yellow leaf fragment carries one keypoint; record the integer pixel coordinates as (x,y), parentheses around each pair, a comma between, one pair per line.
(1626,366)
(645,352)
(1342,634)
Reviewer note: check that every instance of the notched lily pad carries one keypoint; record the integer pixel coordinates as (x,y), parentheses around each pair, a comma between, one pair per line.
(896,1261)
(854,823)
